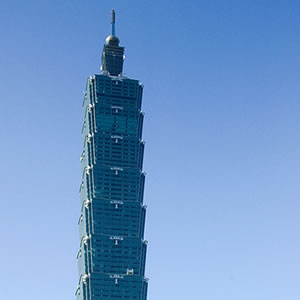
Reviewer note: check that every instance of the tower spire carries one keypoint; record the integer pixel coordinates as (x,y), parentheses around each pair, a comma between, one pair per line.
(113,54)
(113,22)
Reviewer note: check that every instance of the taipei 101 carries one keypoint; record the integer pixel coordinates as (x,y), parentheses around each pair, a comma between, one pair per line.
(112,254)
(150,150)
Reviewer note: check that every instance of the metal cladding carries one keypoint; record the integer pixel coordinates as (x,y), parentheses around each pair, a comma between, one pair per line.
(112,254)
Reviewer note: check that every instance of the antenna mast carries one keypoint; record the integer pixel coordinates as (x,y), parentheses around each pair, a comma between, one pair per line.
(113,22)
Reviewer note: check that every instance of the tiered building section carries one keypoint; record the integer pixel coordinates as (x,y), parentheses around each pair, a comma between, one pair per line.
(112,253)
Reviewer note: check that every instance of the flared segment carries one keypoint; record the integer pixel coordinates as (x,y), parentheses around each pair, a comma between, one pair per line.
(119,120)
(116,150)
(122,91)
(127,255)
(118,184)
(118,218)
(112,286)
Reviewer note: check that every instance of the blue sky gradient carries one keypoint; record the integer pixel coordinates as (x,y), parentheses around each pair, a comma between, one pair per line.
(222,143)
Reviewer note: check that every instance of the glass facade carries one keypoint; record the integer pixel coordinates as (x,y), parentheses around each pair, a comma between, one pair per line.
(112,254)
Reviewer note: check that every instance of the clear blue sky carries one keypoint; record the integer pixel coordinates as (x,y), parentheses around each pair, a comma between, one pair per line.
(222,103)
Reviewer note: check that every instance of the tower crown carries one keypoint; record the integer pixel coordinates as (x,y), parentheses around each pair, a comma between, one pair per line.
(113,54)
(112,41)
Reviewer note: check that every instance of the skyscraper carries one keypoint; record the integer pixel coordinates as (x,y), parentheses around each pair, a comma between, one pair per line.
(111,258)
